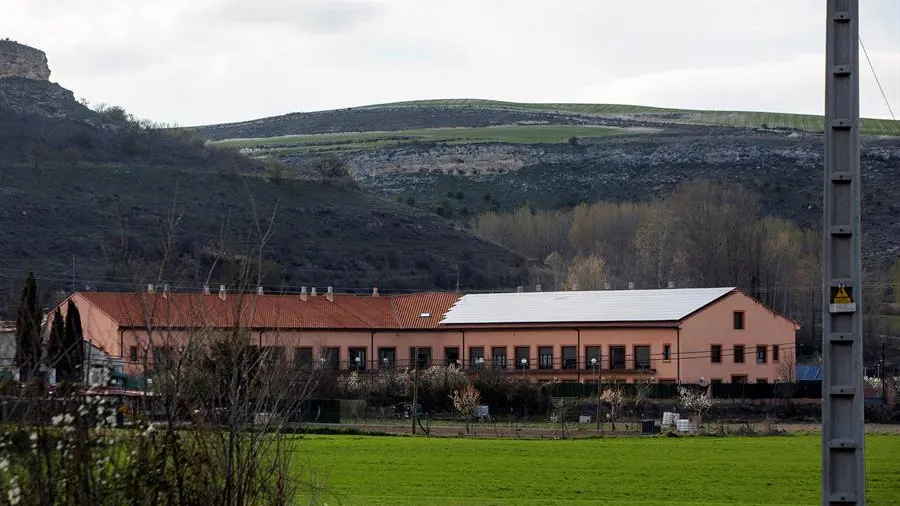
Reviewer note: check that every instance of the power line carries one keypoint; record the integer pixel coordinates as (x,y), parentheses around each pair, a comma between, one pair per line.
(877,81)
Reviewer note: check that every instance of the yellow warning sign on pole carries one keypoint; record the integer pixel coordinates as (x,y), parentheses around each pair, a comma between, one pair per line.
(841,301)
(842,297)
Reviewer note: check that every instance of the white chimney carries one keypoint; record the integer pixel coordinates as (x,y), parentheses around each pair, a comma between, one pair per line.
(165,293)
(259,290)
(375,292)
(312,292)
(574,287)
(631,285)
(205,289)
(303,295)
(222,292)
(671,284)
(149,288)
(330,294)
(607,286)
(537,288)
(520,289)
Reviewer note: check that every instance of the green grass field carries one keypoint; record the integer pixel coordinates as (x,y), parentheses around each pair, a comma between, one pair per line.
(518,134)
(806,122)
(734,471)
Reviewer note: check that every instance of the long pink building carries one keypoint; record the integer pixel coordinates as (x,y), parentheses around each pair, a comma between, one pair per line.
(673,335)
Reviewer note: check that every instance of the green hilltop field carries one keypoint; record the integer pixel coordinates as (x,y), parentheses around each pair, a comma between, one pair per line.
(807,122)
(514,134)
(470,121)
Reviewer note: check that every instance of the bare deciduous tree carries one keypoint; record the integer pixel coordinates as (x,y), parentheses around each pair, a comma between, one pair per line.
(586,273)
(213,424)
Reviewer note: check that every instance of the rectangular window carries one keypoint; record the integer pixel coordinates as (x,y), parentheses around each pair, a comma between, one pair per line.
(498,357)
(272,356)
(133,353)
(617,357)
(303,358)
(667,352)
(739,379)
(775,351)
(762,381)
(451,356)
(738,320)
(162,357)
(476,357)
(592,353)
(387,358)
(642,357)
(331,358)
(739,354)
(570,357)
(716,381)
(715,353)
(421,356)
(545,355)
(357,359)
(523,358)
(761,354)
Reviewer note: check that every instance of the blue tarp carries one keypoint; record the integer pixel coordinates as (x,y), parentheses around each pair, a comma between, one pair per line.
(809,373)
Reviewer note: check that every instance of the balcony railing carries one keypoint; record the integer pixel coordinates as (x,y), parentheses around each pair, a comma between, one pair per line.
(532,366)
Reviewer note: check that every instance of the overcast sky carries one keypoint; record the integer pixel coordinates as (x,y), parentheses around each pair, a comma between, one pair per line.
(209,61)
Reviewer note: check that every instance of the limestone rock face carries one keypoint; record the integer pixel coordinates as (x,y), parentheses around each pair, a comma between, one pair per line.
(19,60)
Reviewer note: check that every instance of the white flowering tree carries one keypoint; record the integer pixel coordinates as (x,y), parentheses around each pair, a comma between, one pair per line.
(615,398)
(465,401)
(694,401)
(438,382)
(354,386)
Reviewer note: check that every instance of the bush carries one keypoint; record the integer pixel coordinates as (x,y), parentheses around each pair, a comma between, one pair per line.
(331,167)
(437,383)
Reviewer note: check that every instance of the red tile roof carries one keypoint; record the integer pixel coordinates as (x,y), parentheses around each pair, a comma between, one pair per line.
(187,310)
(422,310)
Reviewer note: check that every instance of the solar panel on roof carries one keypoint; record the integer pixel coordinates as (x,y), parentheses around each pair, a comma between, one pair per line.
(584,306)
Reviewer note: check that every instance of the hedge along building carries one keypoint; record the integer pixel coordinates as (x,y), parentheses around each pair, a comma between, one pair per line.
(672,335)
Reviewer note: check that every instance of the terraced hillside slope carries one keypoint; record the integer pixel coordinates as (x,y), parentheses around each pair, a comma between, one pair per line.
(462,157)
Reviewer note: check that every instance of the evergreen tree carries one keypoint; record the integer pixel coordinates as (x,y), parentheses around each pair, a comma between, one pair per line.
(73,343)
(28,330)
(55,344)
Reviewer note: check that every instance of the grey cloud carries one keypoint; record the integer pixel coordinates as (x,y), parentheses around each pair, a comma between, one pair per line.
(308,16)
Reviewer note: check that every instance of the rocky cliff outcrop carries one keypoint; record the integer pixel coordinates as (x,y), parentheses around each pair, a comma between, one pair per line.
(784,169)
(19,60)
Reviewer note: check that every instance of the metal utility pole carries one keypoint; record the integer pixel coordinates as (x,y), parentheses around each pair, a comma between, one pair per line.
(843,472)
(883,375)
